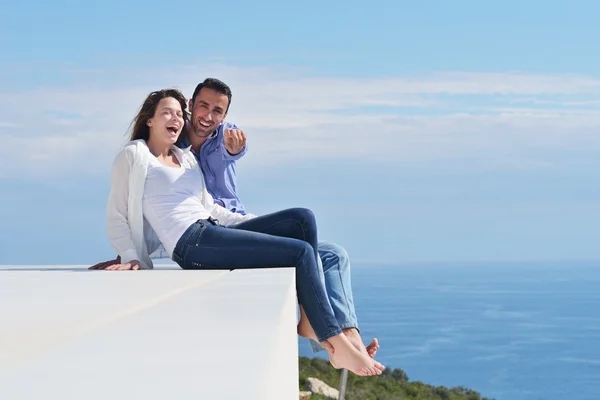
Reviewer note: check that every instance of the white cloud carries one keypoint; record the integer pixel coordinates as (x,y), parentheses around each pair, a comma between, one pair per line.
(291,115)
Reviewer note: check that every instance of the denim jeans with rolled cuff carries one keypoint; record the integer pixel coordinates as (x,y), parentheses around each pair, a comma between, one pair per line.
(336,276)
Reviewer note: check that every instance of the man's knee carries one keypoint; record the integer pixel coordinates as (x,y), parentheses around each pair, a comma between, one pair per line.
(333,254)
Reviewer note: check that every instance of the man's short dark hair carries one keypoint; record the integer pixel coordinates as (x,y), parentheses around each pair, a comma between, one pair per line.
(216,85)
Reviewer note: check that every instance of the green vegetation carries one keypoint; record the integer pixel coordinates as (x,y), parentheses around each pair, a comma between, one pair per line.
(391,385)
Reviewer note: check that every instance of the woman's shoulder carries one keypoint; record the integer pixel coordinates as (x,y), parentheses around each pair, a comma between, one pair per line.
(134,147)
(131,151)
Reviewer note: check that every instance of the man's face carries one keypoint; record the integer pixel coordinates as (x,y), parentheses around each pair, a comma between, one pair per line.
(209,109)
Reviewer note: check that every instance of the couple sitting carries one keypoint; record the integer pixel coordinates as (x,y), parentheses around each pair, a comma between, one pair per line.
(173,191)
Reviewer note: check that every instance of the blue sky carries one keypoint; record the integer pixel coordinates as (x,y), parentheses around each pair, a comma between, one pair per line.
(429,131)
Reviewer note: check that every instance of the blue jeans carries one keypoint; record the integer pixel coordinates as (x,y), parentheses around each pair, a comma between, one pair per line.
(335,273)
(286,238)
(337,279)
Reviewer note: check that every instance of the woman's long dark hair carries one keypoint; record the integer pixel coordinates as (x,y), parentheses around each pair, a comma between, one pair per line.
(140,128)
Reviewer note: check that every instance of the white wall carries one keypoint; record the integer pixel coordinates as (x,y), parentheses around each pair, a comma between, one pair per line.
(162,334)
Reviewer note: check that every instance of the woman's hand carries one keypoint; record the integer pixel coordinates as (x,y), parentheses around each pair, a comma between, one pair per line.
(132,265)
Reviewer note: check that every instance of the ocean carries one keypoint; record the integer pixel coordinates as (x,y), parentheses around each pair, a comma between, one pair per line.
(513,331)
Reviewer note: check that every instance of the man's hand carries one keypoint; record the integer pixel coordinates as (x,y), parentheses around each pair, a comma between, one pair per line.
(235,140)
(132,265)
(105,264)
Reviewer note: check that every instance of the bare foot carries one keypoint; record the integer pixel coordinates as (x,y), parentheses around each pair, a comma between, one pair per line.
(345,355)
(373,347)
(354,338)
(306,330)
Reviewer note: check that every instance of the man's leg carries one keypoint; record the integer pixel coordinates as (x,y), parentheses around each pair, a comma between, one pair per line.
(338,283)
(336,275)
(336,269)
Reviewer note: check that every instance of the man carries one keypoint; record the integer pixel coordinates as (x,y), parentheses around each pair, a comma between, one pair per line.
(217,145)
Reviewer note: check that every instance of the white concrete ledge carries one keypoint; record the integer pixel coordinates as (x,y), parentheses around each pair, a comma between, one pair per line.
(70,333)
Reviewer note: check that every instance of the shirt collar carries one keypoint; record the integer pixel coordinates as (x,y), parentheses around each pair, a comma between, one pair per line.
(181,150)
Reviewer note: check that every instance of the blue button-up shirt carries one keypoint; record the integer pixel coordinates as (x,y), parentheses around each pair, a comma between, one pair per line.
(218,167)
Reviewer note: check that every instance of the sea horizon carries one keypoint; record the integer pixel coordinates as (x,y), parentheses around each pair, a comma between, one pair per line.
(511,331)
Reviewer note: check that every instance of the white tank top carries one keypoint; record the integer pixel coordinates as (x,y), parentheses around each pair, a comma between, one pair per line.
(171,201)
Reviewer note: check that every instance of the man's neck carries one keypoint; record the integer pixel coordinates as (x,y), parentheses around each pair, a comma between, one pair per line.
(196,141)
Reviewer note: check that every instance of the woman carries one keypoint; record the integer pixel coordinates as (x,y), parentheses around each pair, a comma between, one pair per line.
(158,197)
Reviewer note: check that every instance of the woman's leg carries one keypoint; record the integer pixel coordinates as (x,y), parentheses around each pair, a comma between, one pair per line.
(294,223)
(209,246)
(334,271)
(297,223)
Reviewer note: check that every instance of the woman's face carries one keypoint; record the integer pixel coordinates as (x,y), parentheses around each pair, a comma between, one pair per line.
(167,122)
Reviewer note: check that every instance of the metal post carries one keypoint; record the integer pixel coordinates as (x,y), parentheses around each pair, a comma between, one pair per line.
(343,381)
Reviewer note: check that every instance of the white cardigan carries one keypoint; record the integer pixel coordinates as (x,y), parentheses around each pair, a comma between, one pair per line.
(129,233)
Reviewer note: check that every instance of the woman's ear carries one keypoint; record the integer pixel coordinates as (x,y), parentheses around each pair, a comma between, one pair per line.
(149,122)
